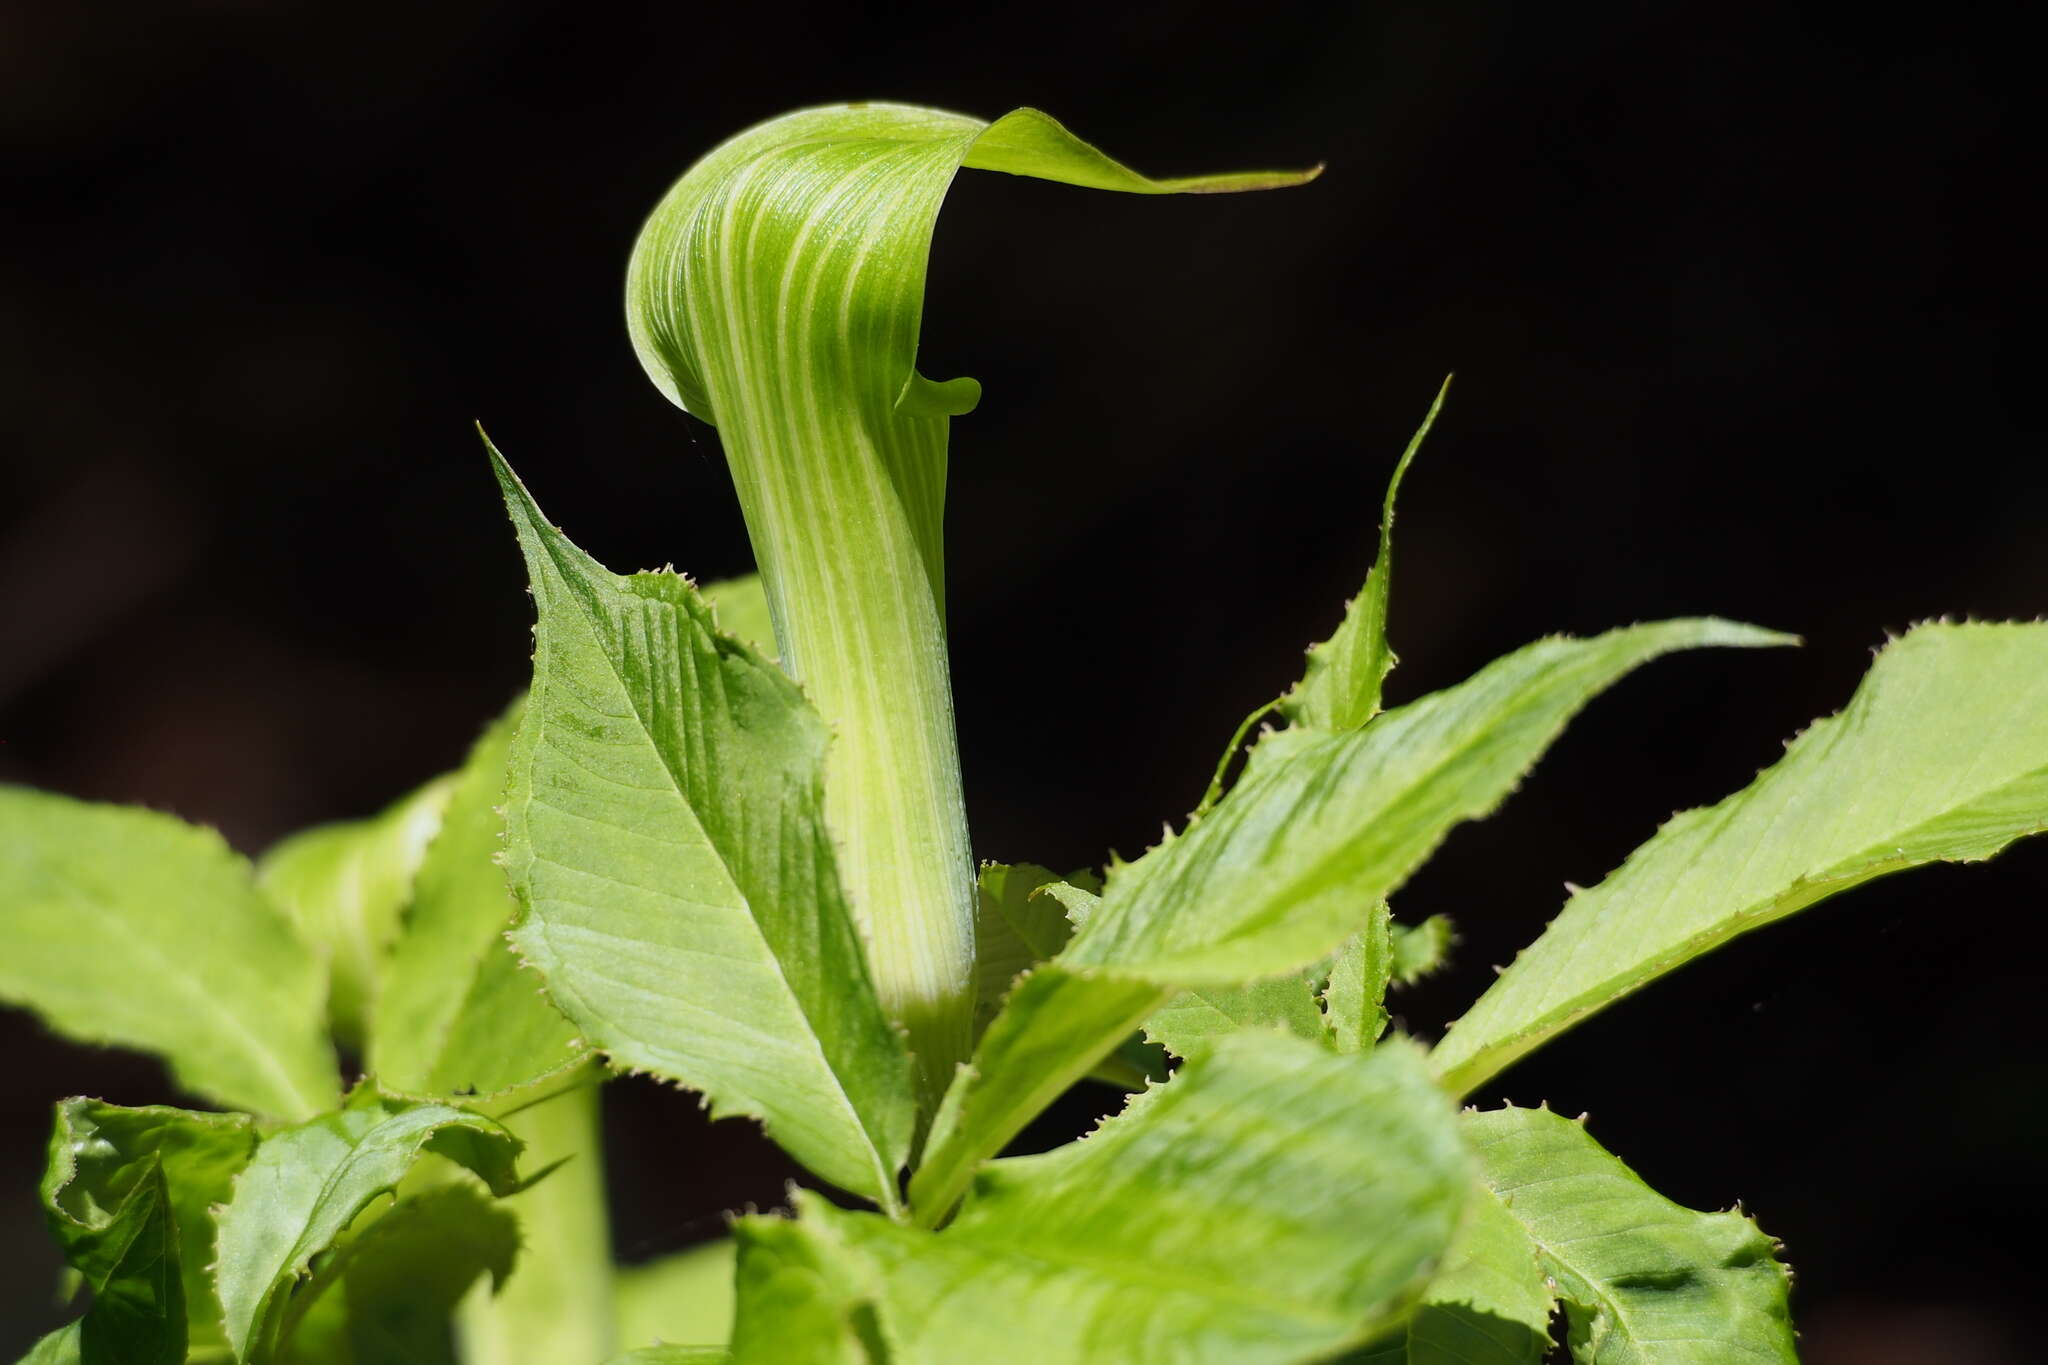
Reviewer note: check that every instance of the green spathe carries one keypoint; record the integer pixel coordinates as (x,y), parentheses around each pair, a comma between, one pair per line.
(777,291)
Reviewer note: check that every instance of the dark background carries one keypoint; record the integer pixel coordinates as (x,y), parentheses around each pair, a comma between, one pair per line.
(1737,300)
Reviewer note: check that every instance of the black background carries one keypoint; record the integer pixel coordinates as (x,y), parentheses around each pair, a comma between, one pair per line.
(1736,296)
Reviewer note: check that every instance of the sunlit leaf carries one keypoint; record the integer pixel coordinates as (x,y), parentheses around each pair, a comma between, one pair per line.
(345,886)
(1942,755)
(122,926)
(1273,1202)
(1290,864)
(665,836)
(459,1015)
(1642,1278)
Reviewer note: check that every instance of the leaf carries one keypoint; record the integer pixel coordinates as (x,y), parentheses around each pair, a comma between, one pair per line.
(1489,1305)
(740,607)
(459,1015)
(128,1196)
(125,927)
(1279,874)
(1941,755)
(1421,950)
(776,291)
(665,836)
(805,1298)
(674,1355)
(1341,688)
(61,1347)
(686,1297)
(389,1290)
(1192,1017)
(1016,927)
(345,886)
(1354,997)
(1642,1278)
(1273,1202)
(560,1304)
(307,1184)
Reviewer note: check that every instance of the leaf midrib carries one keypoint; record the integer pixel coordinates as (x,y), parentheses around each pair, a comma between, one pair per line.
(170,969)
(1803,891)
(884,1183)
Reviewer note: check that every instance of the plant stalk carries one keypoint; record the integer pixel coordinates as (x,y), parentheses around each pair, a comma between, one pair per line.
(845,535)
(557,1304)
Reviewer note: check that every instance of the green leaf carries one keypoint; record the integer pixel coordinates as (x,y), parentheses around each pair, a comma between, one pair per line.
(125,927)
(1192,1017)
(665,836)
(459,1015)
(1273,1202)
(1421,950)
(1341,688)
(1291,863)
(1642,1278)
(804,1296)
(560,1304)
(129,1195)
(1355,995)
(1942,755)
(307,1184)
(1489,1305)
(740,607)
(1016,927)
(687,1297)
(61,1347)
(673,1355)
(777,291)
(345,886)
(388,1291)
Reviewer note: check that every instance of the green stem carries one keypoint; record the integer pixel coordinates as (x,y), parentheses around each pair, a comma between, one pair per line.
(843,518)
(557,1305)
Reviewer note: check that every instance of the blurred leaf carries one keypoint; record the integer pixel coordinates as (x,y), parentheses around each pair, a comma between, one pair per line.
(1016,927)
(129,1195)
(1489,1305)
(1193,1017)
(740,607)
(345,886)
(390,1288)
(559,1306)
(307,1184)
(1355,995)
(1423,949)
(121,926)
(459,1015)
(687,1297)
